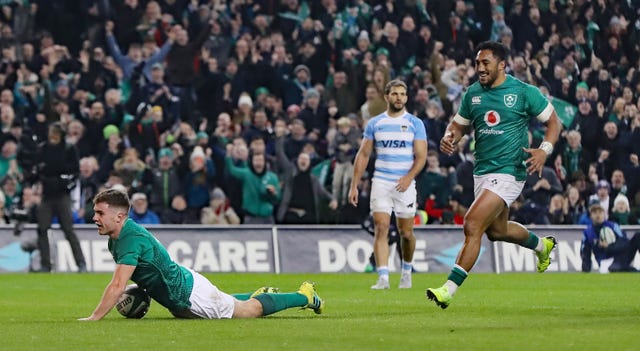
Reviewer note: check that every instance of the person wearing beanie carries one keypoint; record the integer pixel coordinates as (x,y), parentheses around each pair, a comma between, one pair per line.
(198,180)
(621,211)
(243,114)
(296,87)
(109,130)
(140,212)
(219,210)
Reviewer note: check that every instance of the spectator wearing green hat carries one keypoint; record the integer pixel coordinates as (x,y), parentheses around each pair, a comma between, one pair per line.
(261,97)
(109,130)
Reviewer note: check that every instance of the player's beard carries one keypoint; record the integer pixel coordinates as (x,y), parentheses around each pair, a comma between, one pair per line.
(394,109)
(489,79)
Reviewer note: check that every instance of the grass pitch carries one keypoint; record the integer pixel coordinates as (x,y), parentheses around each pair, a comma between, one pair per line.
(490,312)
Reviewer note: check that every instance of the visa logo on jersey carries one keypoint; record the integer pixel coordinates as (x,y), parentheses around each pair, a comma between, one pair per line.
(391,143)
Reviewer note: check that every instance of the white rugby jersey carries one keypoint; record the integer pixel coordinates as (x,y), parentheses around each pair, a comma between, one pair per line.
(393,141)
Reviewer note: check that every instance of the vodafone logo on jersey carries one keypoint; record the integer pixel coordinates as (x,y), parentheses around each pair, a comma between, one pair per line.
(492,118)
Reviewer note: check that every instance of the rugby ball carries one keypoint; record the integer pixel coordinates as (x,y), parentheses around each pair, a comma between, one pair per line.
(134,302)
(607,235)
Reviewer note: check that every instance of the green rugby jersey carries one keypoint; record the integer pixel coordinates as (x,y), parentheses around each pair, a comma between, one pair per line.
(500,119)
(165,281)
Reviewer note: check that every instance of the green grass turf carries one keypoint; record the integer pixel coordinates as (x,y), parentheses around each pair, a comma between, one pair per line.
(490,312)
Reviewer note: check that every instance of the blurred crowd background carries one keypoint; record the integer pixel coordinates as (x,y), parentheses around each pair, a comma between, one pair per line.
(227,112)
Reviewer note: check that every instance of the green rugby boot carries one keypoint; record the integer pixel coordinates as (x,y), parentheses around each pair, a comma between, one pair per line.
(440,296)
(544,257)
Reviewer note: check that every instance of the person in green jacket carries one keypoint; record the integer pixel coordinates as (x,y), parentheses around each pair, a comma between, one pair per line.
(260,187)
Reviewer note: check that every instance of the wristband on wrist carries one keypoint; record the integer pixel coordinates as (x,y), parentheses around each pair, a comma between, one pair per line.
(547,147)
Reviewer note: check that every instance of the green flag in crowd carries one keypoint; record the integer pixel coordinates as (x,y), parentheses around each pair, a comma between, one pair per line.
(566,111)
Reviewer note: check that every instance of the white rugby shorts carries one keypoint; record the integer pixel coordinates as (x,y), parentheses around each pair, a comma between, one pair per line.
(385,198)
(207,301)
(504,185)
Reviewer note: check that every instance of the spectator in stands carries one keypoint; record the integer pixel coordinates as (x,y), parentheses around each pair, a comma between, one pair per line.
(434,186)
(131,168)
(618,184)
(163,182)
(302,192)
(156,92)
(140,211)
(180,70)
(296,139)
(219,210)
(621,211)
(146,128)
(588,124)
(218,43)
(260,187)
(315,115)
(197,182)
(558,210)
(134,56)
(343,148)
(602,196)
(574,156)
(575,205)
(88,186)
(243,115)
(113,151)
(260,127)
(539,190)
(11,188)
(292,113)
(8,163)
(611,153)
(297,86)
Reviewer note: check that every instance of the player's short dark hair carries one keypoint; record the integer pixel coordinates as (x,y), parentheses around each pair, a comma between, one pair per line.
(394,83)
(497,49)
(113,198)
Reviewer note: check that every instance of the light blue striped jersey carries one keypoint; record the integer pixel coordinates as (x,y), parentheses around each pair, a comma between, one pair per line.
(393,141)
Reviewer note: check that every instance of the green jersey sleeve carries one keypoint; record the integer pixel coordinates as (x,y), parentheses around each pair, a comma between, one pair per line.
(536,105)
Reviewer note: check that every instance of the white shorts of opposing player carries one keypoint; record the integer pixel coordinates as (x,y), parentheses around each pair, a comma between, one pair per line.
(385,198)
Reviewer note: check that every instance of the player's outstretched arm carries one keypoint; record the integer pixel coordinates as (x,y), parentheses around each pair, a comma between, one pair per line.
(112,292)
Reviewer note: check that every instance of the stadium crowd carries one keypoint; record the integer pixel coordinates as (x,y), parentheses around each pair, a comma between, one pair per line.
(227,112)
